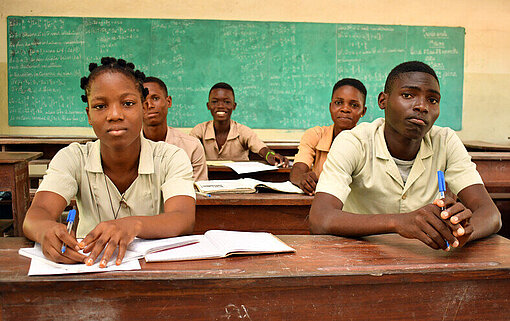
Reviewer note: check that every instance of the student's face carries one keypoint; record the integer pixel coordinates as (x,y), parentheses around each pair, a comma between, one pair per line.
(156,105)
(347,106)
(115,109)
(412,107)
(221,104)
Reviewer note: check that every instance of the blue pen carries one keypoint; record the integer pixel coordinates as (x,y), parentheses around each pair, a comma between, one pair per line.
(442,190)
(70,221)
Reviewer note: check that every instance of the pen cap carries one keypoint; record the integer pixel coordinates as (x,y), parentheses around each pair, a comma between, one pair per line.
(441,182)
(71,215)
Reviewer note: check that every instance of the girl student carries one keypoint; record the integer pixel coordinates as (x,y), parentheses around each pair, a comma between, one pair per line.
(125,185)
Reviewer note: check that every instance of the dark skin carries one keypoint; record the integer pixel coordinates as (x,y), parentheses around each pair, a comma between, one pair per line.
(115,113)
(155,112)
(221,104)
(347,106)
(411,108)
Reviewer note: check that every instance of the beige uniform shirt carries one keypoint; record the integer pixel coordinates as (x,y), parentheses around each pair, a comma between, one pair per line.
(164,171)
(241,139)
(314,147)
(193,148)
(361,172)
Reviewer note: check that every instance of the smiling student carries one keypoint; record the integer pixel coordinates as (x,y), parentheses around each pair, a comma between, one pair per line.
(381,177)
(156,129)
(347,106)
(125,185)
(225,139)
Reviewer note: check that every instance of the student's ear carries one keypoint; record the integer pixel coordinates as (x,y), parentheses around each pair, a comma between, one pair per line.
(145,105)
(382,100)
(364,111)
(169,101)
(234,106)
(88,116)
(207,104)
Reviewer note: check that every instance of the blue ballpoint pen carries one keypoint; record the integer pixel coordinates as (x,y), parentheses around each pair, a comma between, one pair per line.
(70,221)
(442,190)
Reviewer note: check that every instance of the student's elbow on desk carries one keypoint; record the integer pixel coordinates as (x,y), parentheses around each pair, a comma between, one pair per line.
(322,213)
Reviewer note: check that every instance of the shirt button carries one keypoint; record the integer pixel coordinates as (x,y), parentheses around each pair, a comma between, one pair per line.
(404,196)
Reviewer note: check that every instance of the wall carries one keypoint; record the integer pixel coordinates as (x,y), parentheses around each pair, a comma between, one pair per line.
(487,23)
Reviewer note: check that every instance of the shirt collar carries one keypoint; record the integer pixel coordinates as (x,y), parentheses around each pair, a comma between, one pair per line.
(145,166)
(325,141)
(209,130)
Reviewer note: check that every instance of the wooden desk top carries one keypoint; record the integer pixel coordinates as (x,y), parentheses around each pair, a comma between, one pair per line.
(222,168)
(50,140)
(255,199)
(496,156)
(375,259)
(16,157)
(485,146)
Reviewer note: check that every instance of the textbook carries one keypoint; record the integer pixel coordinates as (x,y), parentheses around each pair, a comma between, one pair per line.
(216,244)
(40,265)
(244,185)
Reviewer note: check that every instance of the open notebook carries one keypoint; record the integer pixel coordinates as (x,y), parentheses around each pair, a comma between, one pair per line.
(219,243)
(40,265)
(244,185)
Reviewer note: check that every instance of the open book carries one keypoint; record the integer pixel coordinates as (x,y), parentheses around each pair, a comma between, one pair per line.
(218,243)
(244,185)
(137,249)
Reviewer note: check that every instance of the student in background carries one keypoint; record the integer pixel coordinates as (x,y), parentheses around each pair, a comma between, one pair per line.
(156,129)
(125,185)
(225,139)
(381,177)
(347,106)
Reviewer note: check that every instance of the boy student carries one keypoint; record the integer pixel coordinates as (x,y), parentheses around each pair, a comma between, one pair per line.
(225,139)
(347,106)
(156,129)
(125,185)
(381,177)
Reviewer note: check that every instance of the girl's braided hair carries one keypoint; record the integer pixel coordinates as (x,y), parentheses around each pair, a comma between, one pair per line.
(110,64)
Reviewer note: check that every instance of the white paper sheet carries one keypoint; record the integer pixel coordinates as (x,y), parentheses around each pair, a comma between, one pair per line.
(250,167)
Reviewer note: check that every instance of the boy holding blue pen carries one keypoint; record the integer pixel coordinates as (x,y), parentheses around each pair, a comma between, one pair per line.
(381,177)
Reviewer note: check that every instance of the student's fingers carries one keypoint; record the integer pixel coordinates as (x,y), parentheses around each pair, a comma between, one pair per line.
(67,258)
(75,256)
(108,252)
(91,237)
(99,245)
(305,186)
(311,182)
(435,236)
(424,238)
(67,239)
(314,176)
(122,251)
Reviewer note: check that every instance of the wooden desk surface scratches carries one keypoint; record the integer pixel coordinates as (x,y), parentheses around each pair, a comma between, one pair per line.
(378,278)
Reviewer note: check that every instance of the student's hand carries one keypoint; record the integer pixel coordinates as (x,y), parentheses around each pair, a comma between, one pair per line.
(308,182)
(278,159)
(51,242)
(458,218)
(426,225)
(110,235)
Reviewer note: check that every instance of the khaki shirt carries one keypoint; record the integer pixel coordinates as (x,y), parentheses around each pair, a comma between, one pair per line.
(193,148)
(361,172)
(314,147)
(164,171)
(240,140)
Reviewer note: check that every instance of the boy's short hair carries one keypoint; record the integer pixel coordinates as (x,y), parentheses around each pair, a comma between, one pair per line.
(157,81)
(350,82)
(223,85)
(409,66)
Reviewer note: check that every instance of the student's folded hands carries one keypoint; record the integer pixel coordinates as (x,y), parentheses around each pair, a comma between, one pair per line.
(457,217)
(109,235)
(51,242)
(308,182)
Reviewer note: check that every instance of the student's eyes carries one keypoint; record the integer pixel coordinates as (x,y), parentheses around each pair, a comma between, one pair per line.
(355,105)
(155,98)
(339,102)
(434,101)
(98,106)
(228,102)
(129,103)
(407,95)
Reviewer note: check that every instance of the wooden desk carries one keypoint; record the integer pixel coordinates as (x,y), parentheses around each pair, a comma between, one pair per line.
(48,145)
(224,172)
(14,178)
(277,213)
(377,278)
(494,167)
(478,145)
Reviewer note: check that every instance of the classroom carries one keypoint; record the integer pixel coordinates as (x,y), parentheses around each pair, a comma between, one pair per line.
(328,277)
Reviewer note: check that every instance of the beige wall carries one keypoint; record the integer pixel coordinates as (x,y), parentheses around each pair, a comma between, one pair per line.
(486,108)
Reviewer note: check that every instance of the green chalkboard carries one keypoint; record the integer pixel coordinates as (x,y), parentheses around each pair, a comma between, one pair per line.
(282,72)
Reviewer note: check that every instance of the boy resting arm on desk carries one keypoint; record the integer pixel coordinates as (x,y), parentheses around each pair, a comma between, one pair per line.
(381,177)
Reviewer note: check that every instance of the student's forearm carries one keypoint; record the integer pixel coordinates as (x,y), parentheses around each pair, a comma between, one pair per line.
(263,152)
(37,221)
(486,221)
(164,225)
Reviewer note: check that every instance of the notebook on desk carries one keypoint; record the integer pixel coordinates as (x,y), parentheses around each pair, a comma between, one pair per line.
(244,186)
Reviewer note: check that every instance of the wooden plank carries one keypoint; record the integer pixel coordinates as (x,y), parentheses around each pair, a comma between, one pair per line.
(378,278)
